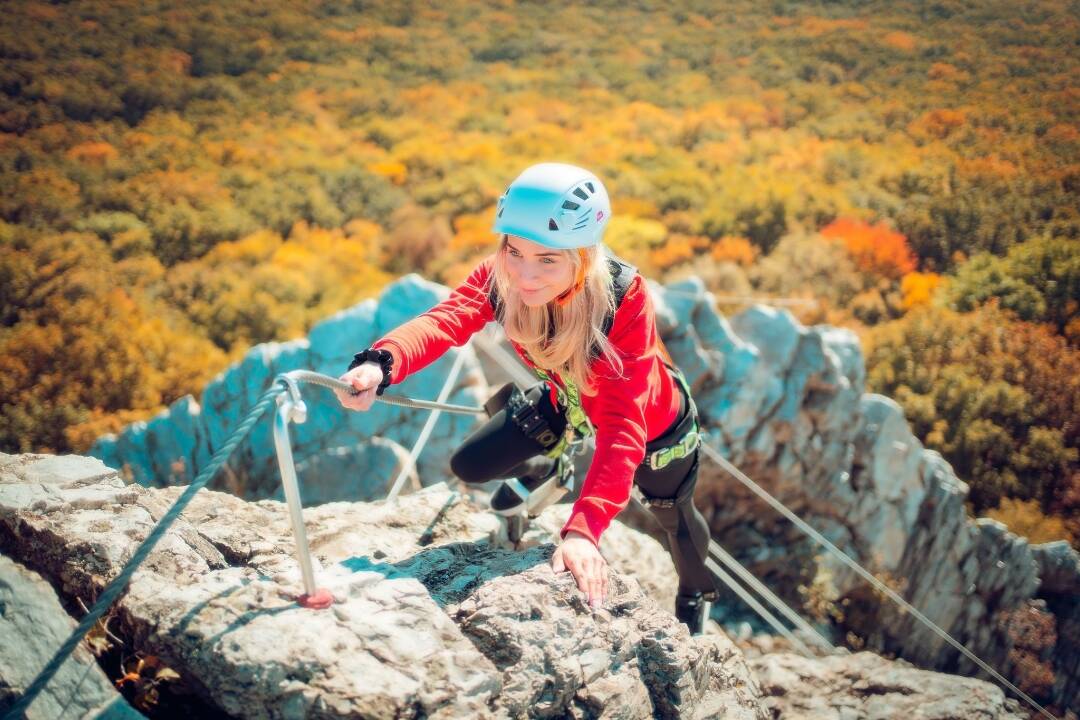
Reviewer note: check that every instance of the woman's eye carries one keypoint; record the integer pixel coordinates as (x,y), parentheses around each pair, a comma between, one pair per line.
(547,261)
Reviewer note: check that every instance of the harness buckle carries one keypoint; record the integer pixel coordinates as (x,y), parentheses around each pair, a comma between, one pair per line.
(529,420)
(659,459)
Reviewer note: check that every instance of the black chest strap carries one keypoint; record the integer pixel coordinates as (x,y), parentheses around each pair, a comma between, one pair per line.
(622,275)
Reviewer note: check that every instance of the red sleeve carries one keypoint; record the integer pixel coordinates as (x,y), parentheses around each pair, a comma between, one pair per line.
(424,339)
(620,417)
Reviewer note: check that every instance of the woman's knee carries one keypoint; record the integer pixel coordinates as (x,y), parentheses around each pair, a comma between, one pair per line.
(468,466)
(500,444)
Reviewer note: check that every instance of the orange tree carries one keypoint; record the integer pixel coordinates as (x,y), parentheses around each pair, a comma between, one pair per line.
(85,355)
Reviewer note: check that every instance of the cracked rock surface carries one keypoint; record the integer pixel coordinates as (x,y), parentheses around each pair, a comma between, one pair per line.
(865,686)
(431,616)
(33,626)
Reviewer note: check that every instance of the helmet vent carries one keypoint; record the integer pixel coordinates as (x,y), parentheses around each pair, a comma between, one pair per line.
(581,193)
(570,205)
(590,186)
(552,225)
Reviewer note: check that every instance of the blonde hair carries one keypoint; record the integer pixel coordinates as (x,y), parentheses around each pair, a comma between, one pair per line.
(563,336)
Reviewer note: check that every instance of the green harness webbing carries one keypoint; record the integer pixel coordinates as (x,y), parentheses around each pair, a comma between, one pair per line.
(659,459)
(579,427)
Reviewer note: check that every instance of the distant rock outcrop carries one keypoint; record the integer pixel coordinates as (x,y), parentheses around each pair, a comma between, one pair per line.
(784,402)
(340,454)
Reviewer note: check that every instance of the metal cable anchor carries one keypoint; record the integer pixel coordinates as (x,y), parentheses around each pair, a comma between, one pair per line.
(291,407)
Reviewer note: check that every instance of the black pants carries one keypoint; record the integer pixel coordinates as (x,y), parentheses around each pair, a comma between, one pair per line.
(499,449)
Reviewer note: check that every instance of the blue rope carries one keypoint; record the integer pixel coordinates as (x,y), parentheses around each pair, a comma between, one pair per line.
(119,583)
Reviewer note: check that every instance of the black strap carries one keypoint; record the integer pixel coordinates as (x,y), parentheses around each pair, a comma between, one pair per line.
(622,274)
(529,419)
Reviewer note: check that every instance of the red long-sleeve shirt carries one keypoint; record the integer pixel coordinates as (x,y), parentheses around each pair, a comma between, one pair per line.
(626,411)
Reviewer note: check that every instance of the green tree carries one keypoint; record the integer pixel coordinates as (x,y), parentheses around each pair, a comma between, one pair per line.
(996,396)
(1039,280)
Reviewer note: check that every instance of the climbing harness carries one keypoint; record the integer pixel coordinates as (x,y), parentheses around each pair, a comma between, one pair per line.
(688,443)
(569,400)
(529,420)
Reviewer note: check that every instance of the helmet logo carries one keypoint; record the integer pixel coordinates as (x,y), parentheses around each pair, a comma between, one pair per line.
(599,215)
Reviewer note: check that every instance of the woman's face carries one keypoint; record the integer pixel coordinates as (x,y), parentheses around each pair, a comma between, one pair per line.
(539,274)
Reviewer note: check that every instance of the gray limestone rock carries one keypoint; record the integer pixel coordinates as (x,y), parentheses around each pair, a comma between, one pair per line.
(431,617)
(865,686)
(33,626)
(627,551)
(1059,567)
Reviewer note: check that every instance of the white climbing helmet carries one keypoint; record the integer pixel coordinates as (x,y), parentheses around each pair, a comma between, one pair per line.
(556,205)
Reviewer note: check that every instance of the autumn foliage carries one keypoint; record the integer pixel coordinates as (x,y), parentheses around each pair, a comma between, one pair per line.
(918,288)
(996,396)
(181,181)
(875,248)
(1032,634)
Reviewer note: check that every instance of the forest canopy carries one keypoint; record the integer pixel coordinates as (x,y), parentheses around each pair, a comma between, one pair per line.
(182,180)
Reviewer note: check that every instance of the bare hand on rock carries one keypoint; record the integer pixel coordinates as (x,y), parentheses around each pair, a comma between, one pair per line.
(577,554)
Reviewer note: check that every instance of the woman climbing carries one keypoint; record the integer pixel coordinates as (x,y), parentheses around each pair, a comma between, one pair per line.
(584,323)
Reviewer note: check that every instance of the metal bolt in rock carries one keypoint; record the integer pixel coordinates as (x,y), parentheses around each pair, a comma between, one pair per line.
(291,407)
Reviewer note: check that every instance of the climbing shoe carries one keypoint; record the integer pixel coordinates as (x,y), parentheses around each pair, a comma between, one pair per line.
(530,495)
(693,610)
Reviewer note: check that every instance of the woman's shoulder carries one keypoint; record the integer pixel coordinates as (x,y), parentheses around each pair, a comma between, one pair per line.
(634,314)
